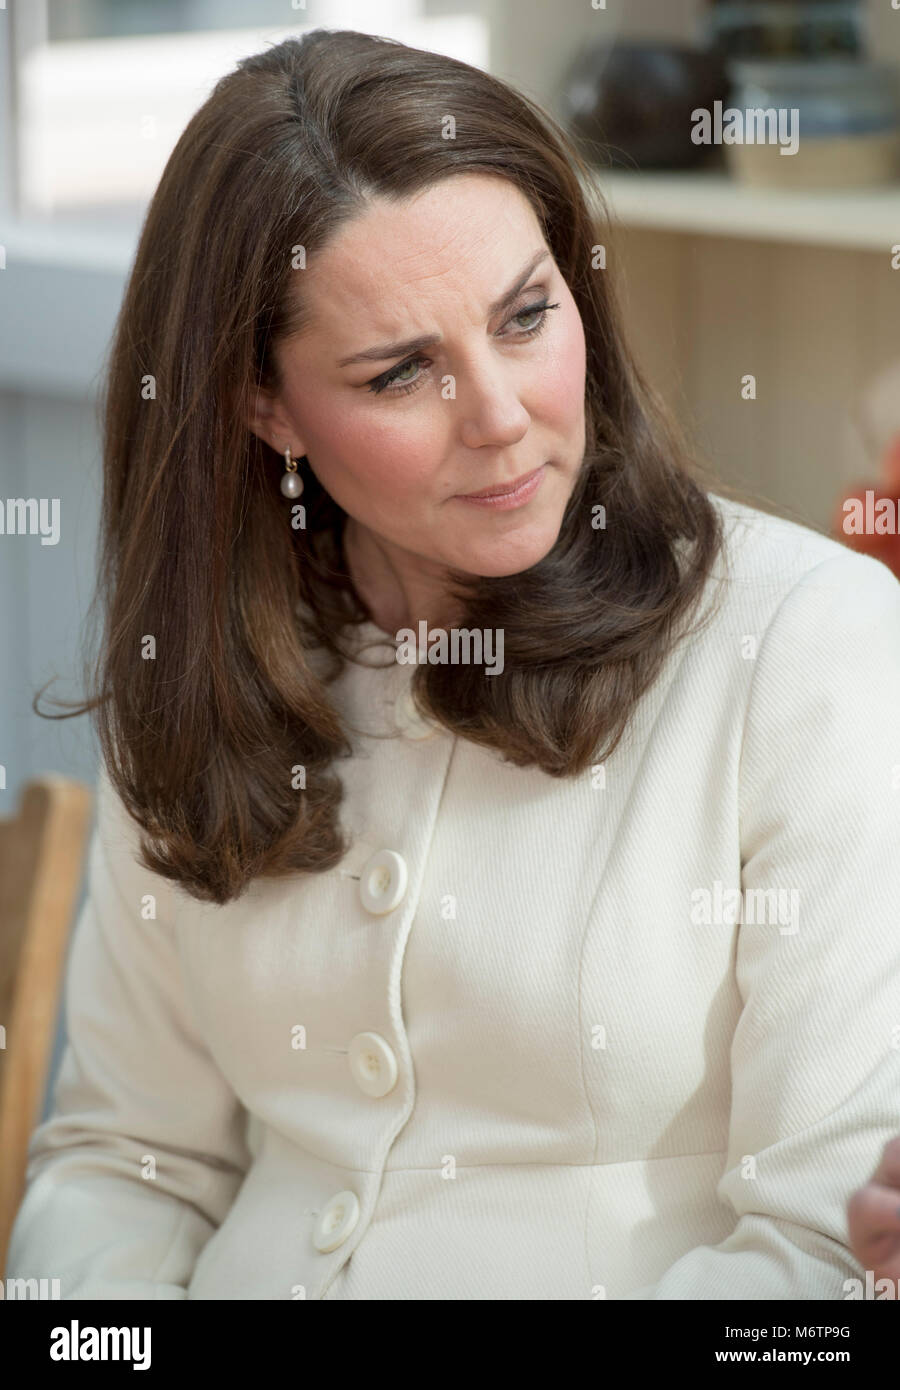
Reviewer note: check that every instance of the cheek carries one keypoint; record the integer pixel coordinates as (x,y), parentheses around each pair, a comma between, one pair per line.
(561,388)
(363,447)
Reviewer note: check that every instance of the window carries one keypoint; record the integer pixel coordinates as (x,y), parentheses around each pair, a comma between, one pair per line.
(103,88)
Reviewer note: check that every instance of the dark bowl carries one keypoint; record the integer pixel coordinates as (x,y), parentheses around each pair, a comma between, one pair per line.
(630,104)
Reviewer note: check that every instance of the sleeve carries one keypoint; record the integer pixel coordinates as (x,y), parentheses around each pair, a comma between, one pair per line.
(815,1056)
(145,1147)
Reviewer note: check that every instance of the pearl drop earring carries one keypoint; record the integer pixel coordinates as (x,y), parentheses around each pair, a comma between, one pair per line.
(291,482)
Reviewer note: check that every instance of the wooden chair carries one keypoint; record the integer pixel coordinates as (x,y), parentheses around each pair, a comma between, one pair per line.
(42,852)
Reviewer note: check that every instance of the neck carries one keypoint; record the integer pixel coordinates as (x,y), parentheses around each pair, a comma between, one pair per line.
(399,589)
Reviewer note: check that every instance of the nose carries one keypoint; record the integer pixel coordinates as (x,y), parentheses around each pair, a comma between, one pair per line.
(489,408)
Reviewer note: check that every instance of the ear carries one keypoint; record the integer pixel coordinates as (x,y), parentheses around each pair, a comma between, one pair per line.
(270,422)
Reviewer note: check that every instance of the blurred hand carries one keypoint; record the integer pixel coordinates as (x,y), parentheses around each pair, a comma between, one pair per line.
(873,1217)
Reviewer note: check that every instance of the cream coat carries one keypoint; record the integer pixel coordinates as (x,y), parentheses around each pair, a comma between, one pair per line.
(579,1086)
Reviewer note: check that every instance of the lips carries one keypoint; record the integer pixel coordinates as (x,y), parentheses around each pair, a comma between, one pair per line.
(504,489)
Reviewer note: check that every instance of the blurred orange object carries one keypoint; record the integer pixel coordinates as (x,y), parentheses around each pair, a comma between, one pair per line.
(858,513)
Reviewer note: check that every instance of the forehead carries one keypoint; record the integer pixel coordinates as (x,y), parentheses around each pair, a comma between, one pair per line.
(462,238)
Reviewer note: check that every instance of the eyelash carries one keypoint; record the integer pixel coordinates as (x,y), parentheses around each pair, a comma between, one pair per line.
(383,382)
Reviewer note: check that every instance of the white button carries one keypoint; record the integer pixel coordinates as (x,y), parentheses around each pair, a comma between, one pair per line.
(373,1064)
(335,1222)
(409,720)
(382,881)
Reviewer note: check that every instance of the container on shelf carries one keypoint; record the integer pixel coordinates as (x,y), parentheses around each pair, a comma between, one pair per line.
(846,133)
(816,29)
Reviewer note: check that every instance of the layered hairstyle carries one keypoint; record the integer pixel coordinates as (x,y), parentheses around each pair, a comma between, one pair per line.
(199,567)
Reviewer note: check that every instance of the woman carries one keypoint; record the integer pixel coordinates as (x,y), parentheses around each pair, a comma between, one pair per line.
(559,963)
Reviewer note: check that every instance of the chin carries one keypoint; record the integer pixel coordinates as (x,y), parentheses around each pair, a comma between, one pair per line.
(510,554)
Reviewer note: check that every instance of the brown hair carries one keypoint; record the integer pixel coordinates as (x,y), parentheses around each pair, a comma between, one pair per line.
(200,741)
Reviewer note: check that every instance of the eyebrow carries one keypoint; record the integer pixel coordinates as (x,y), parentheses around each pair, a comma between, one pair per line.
(384,352)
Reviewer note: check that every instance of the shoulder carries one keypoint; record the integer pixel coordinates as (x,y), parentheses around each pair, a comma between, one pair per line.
(772,567)
(817,626)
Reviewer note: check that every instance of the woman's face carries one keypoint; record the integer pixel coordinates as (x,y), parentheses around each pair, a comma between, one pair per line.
(399,435)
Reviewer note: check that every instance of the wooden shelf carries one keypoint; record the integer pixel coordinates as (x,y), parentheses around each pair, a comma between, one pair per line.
(714,204)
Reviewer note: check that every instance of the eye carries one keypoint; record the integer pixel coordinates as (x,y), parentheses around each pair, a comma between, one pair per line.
(396,384)
(387,379)
(542,310)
